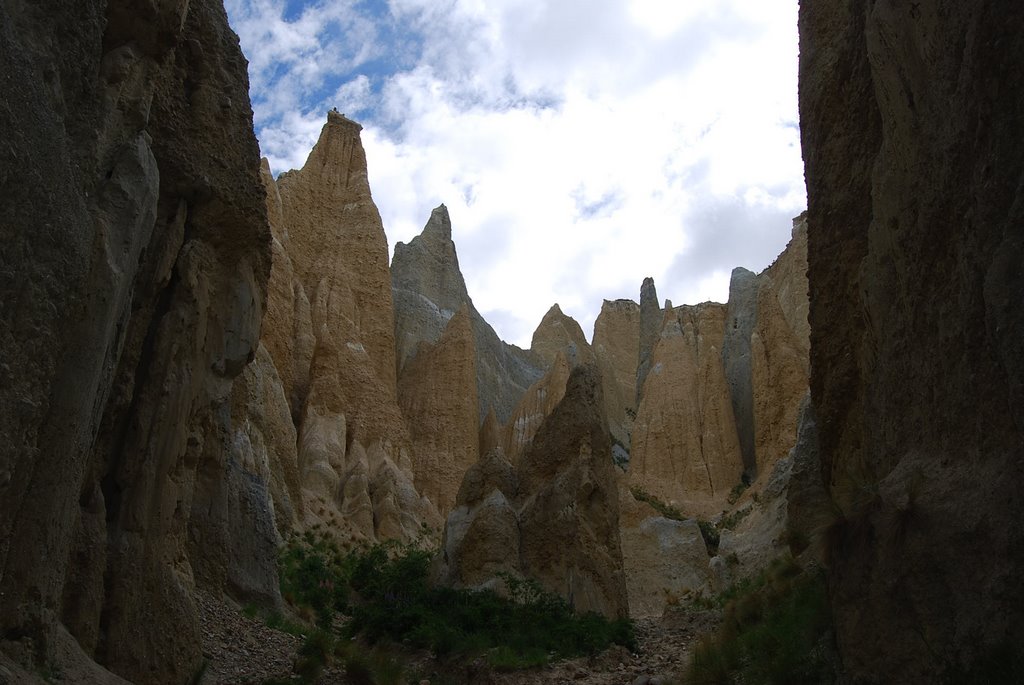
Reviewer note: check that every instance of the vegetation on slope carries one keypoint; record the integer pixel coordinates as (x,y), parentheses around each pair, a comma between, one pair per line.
(385,597)
(776,628)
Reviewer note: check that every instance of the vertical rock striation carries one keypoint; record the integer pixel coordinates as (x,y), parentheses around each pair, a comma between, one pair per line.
(330,328)
(555,517)
(616,348)
(910,123)
(428,289)
(684,446)
(135,268)
(437,393)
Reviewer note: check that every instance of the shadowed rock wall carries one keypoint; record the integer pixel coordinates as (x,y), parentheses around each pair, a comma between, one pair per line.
(910,121)
(134,270)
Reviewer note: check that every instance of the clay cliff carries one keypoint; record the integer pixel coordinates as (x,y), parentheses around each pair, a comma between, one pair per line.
(684,445)
(722,384)
(765,353)
(554,517)
(559,346)
(428,289)
(617,348)
(134,273)
(330,328)
(910,124)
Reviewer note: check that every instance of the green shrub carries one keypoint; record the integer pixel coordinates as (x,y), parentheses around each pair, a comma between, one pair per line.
(710,535)
(385,592)
(666,510)
(730,521)
(775,629)
(313,574)
(738,491)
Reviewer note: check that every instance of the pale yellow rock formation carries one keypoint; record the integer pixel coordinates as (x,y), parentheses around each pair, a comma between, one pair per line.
(338,248)
(685,448)
(537,402)
(779,348)
(560,333)
(616,347)
(437,394)
(330,327)
(559,344)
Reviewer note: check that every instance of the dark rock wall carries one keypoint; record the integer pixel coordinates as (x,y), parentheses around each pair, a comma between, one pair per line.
(911,120)
(133,271)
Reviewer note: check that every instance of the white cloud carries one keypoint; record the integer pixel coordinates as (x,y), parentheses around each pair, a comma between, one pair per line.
(579,146)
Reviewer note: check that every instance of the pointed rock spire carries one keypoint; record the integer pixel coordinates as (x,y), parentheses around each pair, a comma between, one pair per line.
(650,329)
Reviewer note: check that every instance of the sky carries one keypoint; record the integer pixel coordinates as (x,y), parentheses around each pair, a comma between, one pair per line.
(579,146)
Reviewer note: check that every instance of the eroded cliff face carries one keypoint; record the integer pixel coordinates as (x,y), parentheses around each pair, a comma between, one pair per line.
(910,123)
(685,445)
(428,290)
(554,517)
(616,348)
(722,384)
(559,346)
(136,259)
(331,335)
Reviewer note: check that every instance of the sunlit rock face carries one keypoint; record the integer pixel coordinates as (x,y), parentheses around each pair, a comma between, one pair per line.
(559,346)
(428,289)
(722,386)
(135,267)
(616,347)
(437,393)
(684,446)
(910,131)
(331,335)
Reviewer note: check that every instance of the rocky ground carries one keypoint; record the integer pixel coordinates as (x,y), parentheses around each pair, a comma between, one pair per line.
(244,650)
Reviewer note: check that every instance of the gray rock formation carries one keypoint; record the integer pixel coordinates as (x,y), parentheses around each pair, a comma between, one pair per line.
(651,319)
(741,315)
(910,123)
(428,289)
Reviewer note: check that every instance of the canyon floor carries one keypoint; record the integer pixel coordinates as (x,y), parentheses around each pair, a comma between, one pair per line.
(243,650)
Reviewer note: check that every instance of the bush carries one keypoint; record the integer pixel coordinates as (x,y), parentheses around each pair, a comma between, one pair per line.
(710,535)
(666,510)
(384,590)
(313,574)
(776,629)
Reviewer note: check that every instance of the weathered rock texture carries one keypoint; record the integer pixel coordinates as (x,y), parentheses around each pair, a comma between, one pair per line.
(428,290)
(559,345)
(651,319)
(685,445)
(555,517)
(134,270)
(664,560)
(558,333)
(765,353)
(779,351)
(330,327)
(617,347)
(910,123)
(437,393)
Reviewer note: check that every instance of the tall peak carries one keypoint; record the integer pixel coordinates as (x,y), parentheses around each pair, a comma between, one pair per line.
(439,226)
(336,118)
